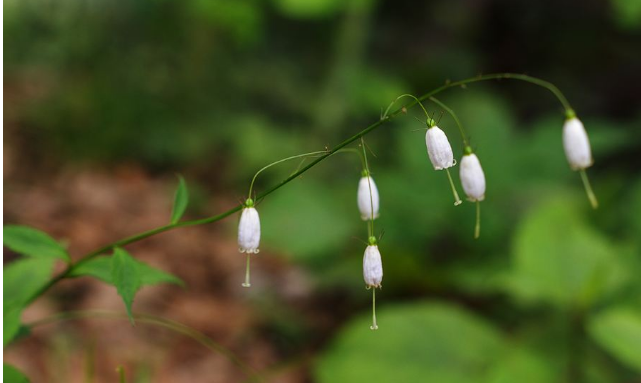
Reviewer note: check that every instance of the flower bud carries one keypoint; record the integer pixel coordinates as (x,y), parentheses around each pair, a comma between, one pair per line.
(472,177)
(372,267)
(576,144)
(365,202)
(438,148)
(249,231)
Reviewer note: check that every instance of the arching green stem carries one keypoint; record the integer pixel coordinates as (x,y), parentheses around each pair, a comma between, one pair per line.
(388,116)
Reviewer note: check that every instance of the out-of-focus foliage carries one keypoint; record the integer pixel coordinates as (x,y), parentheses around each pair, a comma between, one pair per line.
(423,345)
(11,375)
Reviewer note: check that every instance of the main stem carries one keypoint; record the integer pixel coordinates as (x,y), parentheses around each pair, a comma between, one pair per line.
(387,117)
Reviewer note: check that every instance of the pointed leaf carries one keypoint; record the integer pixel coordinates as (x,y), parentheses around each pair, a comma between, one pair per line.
(126,277)
(618,330)
(100,267)
(181,199)
(11,374)
(153,276)
(23,278)
(10,323)
(28,241)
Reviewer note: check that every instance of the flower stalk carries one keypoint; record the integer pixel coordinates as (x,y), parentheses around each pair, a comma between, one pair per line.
(319,157)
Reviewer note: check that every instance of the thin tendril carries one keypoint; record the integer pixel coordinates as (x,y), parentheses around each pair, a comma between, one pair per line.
(251,186)
(247,283)
(588,189)
(374,326)
(457,200)
(154,321)
(384,116)
(477,227)
(370,225)
(451,112)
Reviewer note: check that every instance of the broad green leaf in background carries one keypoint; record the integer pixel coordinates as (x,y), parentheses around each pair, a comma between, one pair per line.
(28,241)
(419,342)
(618,330)
(519,364)
(11,374)
(126,278)
(558,259)
(181,199)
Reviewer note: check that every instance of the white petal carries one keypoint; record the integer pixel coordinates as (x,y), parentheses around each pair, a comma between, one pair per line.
(372,267)
(576,144)
(472,177)
(249,231)
(364,202)
(439,149)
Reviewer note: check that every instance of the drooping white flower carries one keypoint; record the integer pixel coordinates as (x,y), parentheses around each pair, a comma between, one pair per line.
(472,177)
(438,148)
(249,230)
(576,144)
(372,267)
(368,198)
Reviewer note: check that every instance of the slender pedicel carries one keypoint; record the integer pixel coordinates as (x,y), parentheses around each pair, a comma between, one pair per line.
(457,199)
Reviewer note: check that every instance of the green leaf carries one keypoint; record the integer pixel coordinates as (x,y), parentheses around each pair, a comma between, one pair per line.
(152,276)
(560,260)
(10,323)
(618,330)
(24,278)
(11,374)
(101,268)
(420,342)
(181,199)
(28,241)
(126,278)
(126,273)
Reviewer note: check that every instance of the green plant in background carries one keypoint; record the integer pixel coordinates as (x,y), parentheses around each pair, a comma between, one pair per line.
(128,275)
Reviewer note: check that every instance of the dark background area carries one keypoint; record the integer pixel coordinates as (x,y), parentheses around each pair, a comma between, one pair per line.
(105,101)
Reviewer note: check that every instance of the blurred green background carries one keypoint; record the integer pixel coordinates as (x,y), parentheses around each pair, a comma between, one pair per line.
(216,89)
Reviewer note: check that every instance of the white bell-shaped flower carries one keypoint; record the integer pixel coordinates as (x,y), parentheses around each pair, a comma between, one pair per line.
(576,144)
(472,177)
(438,148)
(249,230)
(372,266)
(368,200)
